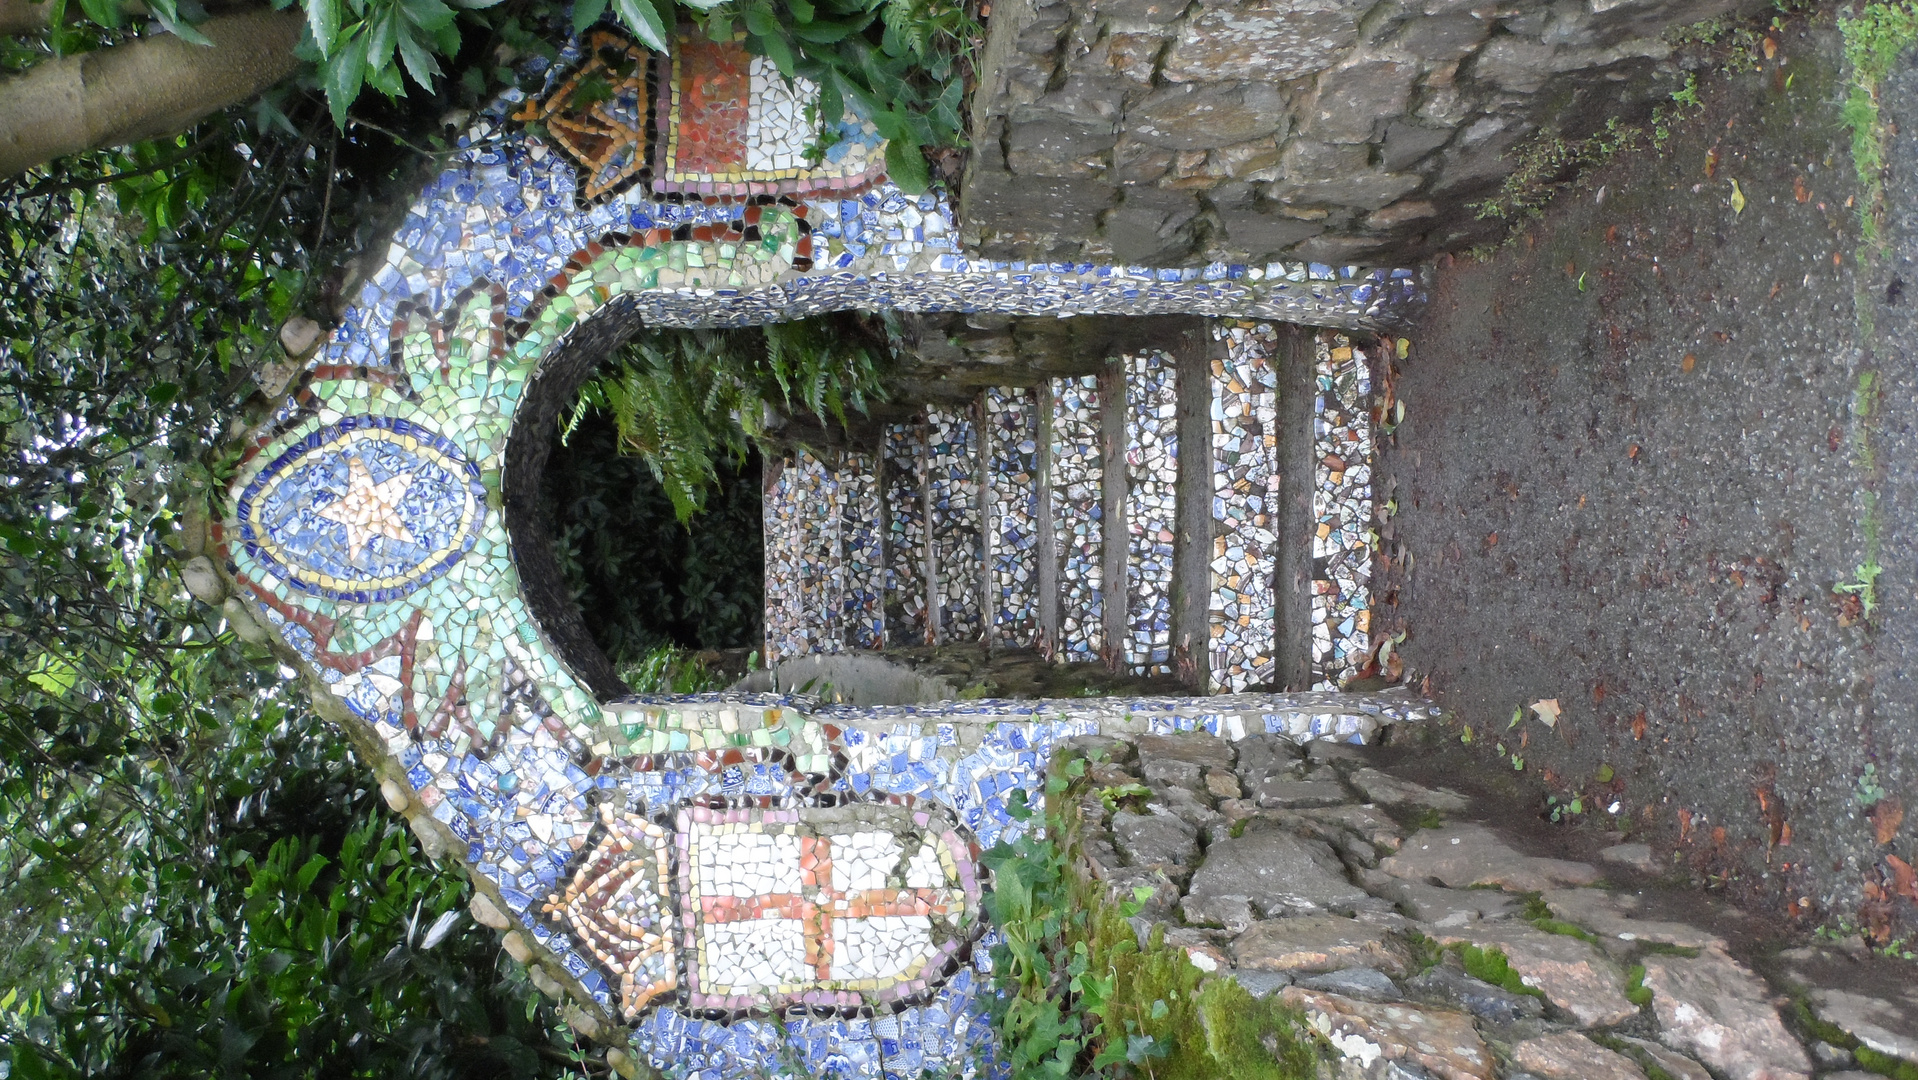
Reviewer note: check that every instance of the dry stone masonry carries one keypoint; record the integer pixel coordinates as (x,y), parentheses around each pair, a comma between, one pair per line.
(1334,131)
(1381,907)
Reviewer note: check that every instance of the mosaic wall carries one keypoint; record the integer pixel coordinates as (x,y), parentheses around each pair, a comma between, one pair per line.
(635,850)
(1342,539)
(1151,509)
(1243,613)
(1077,505)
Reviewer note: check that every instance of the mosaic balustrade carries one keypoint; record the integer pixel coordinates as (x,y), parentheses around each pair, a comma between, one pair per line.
(903,482)
(952,501)
(824,561)
(1012,507)
(1151,509)
(1243,611)
(635,849)
(1077,505)
(1342,537)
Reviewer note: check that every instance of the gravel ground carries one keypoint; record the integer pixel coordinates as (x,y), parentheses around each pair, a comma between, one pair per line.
(1631,475)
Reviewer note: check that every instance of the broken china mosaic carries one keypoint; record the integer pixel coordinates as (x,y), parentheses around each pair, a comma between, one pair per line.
(751,887)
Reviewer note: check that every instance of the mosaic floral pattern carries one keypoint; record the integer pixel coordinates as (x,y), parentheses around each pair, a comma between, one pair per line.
(1077,505)
(1012,507)
(405,506)
(1342,539)
(394,579)
(1151,509)
(602,116)
(1245,483)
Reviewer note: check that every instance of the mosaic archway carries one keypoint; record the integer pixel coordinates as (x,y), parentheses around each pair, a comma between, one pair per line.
(748,882)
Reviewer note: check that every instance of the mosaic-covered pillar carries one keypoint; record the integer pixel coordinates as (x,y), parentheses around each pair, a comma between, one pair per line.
(1078,516)
(903,483)
(861,541)
(952,500)
(1245,483)
(805,559)
(1012,514)
(1342,540)
(1151,509)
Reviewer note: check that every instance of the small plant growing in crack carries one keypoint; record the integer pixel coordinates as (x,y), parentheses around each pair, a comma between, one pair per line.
(1863,585)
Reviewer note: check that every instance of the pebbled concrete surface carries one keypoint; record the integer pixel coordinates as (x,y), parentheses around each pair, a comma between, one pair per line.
(1631,474)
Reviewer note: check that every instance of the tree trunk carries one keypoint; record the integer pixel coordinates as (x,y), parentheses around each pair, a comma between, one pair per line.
(141,90)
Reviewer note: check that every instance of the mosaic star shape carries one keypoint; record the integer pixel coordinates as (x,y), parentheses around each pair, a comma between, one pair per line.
(369,510)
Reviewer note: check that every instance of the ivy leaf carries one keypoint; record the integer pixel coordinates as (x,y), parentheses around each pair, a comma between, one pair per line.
(419,63)
(586,13)
(323,21)
(345,73)
(643,17)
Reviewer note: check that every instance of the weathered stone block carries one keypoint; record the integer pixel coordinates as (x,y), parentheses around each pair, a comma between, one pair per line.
(1203,116)
(1405,143)
(1277,872)
(1514,63)
(1352,99)
(1571,1056)
(1461,856)
(1713,1007)
(1064,207)
(1318,943)
(1445,1044)
(1132,57)
(1263,39)
(1480,998)
(1307,160)
(1147,12)
(1569,972)
(1150,226)
(1135,163)
(1263,235)
(1158,841)
(1441,37)
(1058,148)
(1363,190)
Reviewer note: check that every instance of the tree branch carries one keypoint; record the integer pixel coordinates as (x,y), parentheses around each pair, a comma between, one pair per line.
(141,90)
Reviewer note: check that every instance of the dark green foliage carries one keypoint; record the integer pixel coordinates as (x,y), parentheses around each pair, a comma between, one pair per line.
(194,877)
(1081,998)
(644,580)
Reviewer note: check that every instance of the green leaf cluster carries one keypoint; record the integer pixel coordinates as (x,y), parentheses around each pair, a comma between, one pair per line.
(685,401)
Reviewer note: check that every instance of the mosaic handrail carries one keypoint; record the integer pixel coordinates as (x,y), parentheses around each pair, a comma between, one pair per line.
(367,527)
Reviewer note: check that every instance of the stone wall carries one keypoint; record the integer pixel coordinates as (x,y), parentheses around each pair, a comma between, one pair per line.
(1165,132)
